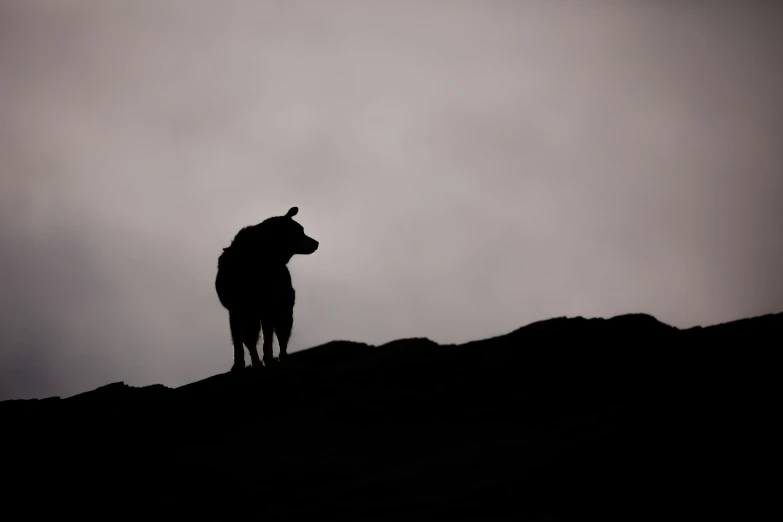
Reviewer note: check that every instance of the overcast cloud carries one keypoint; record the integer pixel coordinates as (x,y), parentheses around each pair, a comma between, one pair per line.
(468,168)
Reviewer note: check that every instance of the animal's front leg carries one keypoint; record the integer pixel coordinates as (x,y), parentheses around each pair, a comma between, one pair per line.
(283,326)
(268,328)
(252,327)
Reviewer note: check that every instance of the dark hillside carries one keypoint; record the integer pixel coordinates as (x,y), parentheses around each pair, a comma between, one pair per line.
(569,418)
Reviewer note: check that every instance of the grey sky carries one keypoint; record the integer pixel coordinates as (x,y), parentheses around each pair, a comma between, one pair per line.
(468,168)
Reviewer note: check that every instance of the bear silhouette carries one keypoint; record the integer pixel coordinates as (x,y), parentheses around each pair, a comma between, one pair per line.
(253,283)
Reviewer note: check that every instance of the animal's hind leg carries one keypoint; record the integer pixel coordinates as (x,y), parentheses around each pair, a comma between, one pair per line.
(235,322)
(251,328)
(268,327)
(283,325)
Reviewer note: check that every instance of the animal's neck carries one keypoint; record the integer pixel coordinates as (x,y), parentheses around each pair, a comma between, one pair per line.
(249,244)
(268,259)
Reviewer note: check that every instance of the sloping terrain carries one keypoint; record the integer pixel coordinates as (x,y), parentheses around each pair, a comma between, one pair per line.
(570,418)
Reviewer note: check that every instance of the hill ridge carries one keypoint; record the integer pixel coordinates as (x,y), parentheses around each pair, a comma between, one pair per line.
(567,418)
(337,350)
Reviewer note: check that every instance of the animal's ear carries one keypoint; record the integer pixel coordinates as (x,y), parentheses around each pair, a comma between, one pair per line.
(292,211)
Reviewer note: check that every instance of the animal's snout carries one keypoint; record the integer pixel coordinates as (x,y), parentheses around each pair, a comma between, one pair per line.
(309,245)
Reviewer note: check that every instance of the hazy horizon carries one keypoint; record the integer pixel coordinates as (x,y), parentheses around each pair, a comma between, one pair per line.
(467,167)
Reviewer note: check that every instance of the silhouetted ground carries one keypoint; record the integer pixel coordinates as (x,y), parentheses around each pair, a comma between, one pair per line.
(565,419)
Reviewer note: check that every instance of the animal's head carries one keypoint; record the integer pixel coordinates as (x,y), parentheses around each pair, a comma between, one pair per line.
(282,237)
(295,238)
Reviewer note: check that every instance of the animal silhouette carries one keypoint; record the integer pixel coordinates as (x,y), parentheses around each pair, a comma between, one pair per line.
(253,283)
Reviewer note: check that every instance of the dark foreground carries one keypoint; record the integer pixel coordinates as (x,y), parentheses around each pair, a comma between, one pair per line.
(567,419)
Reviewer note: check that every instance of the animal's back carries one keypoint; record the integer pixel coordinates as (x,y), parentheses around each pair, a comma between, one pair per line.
(243,282)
